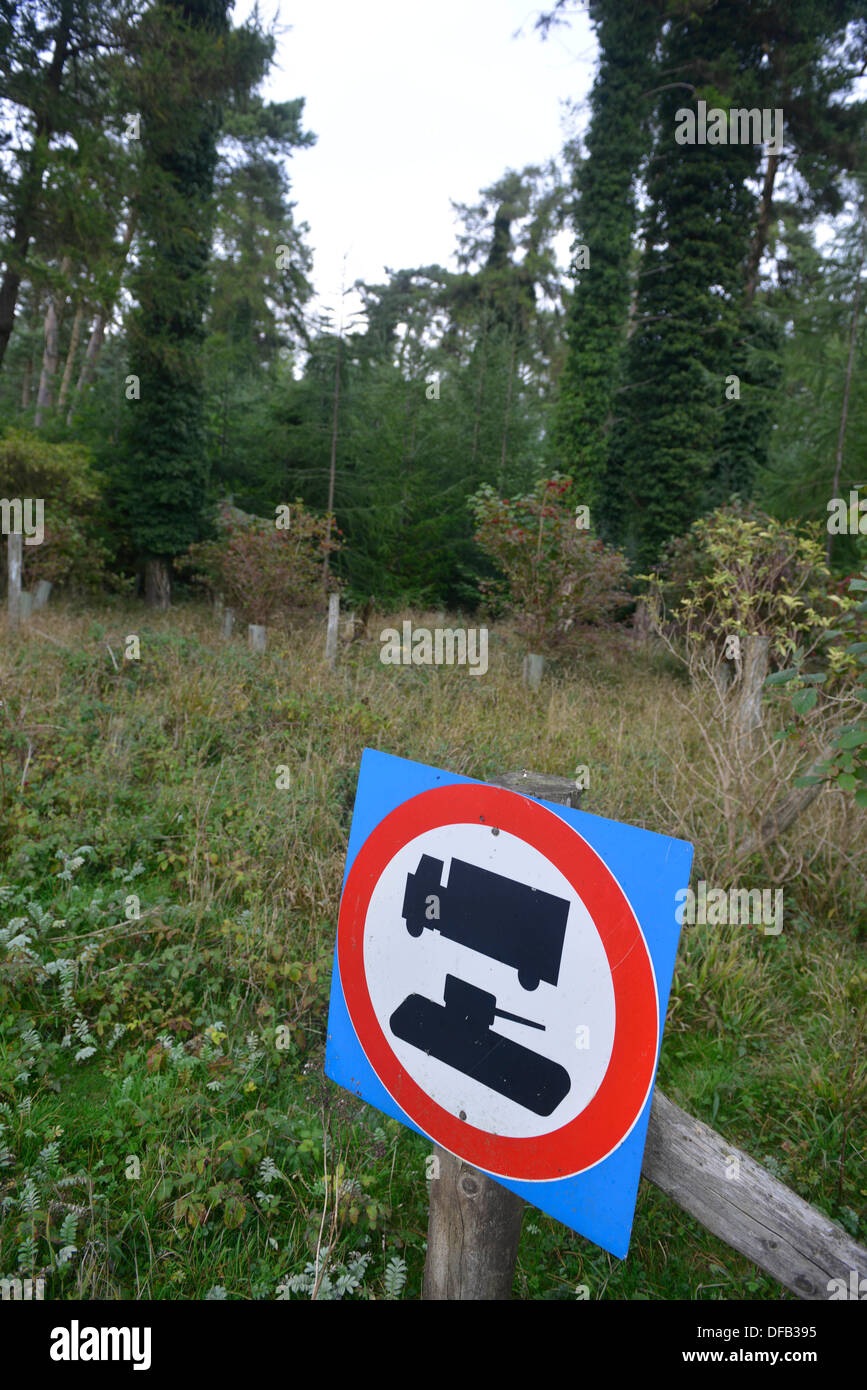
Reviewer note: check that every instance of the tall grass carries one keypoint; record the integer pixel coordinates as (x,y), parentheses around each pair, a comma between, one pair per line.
(146,843)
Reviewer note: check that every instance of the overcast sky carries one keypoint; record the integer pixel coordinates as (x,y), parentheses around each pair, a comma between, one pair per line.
(413,104)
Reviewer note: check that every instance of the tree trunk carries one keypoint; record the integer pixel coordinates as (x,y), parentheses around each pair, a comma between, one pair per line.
(97,337)
(70,357)
(478,410)
(88,366)
(30,187)
(760,235)
(332,470)
(158,584)
(508,413)
(51,354)
(25,384)
(844,414)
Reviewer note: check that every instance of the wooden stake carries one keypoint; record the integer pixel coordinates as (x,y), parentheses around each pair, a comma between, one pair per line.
(13,596)
(473,1233)
(331,634)
(533,667)
(474,1223)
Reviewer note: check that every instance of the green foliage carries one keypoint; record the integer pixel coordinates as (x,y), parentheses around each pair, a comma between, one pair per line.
(185,71)
(816,302)
(835,680)
(556,577)
(697,228)
(31,466)
(604,219)
(61,474)
(742,573)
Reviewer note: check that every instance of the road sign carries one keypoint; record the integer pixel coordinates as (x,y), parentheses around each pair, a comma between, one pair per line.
(501,974)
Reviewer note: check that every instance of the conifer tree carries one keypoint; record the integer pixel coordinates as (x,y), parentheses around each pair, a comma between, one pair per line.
(604,218)
(163,481)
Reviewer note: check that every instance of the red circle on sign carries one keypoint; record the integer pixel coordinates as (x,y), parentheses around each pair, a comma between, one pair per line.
(609,1116)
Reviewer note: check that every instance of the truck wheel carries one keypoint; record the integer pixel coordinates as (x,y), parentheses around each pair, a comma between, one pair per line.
(527,980)
(415,928)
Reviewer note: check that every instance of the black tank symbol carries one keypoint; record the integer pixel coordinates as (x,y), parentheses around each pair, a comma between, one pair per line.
(510,922)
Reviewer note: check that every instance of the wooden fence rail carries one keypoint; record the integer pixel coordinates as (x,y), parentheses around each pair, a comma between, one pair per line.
(474,1223)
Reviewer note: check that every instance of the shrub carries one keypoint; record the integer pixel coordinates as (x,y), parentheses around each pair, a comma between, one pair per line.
(61,476)
(555,577)
(740,573)
(69,555)
(261,569)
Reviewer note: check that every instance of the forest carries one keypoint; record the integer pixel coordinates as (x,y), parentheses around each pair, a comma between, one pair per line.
(641,461)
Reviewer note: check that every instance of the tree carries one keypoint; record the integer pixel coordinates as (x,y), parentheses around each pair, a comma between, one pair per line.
(186,68)
(55,82)
(604,217)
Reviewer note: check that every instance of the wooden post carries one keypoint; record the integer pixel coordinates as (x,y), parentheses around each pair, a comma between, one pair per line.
(25,605)
(13,596)
(744,1205)
(333,623)
(473,1232)
(41,594)
(474,1223)
(754,669)
(228,622)
(533,667)
(256,636)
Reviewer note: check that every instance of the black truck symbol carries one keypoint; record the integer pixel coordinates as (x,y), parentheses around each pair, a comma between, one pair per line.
(506,920)
(510,922)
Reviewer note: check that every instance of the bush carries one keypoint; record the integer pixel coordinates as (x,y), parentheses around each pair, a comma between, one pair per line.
(69,555)
(738,572)
(61,476)
(261,569)
(556,577)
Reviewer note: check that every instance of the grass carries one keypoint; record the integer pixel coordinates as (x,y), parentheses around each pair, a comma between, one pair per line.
(172,839)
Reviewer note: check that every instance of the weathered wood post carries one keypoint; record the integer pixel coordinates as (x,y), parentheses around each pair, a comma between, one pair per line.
(533,667)
(228,622)
(25,605)
(474,1223)
(754,669)
(13,595)
(333,624)
(41,594)
(474,1228)
(256,637)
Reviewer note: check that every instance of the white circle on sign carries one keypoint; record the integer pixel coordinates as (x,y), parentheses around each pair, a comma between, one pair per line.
(577,1014)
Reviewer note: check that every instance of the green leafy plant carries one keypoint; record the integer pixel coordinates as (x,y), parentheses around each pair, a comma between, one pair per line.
(737,572)
(839,691)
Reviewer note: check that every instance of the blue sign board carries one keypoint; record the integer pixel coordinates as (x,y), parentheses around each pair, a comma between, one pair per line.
(501,977)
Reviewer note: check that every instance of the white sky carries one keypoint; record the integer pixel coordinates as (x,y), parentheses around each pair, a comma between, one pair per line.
(413,104)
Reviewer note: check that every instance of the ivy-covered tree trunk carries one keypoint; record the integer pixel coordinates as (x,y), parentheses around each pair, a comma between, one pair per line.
(605,220)
(685,344)
(164,459)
